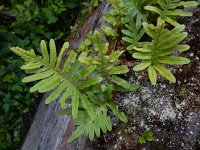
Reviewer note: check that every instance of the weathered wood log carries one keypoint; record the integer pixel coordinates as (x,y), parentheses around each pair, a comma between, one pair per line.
(49,131)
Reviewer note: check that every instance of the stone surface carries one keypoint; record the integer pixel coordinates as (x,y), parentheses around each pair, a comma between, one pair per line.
(171,111)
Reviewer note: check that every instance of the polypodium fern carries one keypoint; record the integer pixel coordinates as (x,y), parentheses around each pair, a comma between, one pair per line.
(91,127)
(88,127)
(133,35)
(69,81)
(134,10)
(169,9)
(158,51)
(100,95)
(106,63)
(88,86)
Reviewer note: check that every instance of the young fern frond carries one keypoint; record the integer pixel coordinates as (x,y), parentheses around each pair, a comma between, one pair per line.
(133,36)
(106,63)
(169,9)
(134,10)
(158,51)
(91,127)
(102,122)
(69,82)
(100,95)
(88,82)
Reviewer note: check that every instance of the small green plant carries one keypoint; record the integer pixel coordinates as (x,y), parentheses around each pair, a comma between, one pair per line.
(134,18)
(89,77)
(158,51)
(31,21)
(147,136)
(169,9)
(84,82)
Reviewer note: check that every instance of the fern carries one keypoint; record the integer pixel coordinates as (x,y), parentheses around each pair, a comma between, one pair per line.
(106,63)
(93,127)
(88,79)
(69,81)
(158,51)
(169,9)
(133,36)
(100,95)
(87,82)
(134,10)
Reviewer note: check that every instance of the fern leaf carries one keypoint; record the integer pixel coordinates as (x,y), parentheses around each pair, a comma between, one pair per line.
(118,70)
(182,48)
(133,35)
(27,55)
(152,75)
(123,83)
(158,51)
(79,131)
(31,66)
(93,98)
(38,76)
(53,54)
(88,106)
(45,54)
(64,47)
(143,65)
(49,84)
(90,82)
(92,126)
(115,55)
(173,60)
(75,103)
(164,72)
(140,55)
(71,59)
(101,122)
(118,114)
(91,132)
(170,8)
(149,29)
(97,128)
(56,93)
(88,71)
(65,95)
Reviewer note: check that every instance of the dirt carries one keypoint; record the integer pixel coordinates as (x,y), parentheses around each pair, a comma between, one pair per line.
(170,111)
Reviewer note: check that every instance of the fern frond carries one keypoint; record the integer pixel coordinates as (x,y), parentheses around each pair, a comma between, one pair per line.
(107,63)
(91,127)
(169,9)
(101,122)
(69,82)
(158,51)
(134,10)
(133,35)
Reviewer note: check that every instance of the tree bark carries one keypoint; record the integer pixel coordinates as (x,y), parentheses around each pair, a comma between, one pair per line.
(49,131)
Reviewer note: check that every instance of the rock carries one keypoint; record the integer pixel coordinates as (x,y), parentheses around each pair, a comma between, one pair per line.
(171,111)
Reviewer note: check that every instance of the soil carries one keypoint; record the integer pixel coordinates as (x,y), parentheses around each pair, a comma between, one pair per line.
(170,111)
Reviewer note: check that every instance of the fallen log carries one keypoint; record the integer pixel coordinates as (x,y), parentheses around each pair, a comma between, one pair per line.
(49,131)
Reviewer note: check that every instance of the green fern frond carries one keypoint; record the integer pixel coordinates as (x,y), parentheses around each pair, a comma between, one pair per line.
(134,10)
(91,127)
(69,82)
(169,9)
(107,63)
(158,51)
(102,122)
(133,36)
